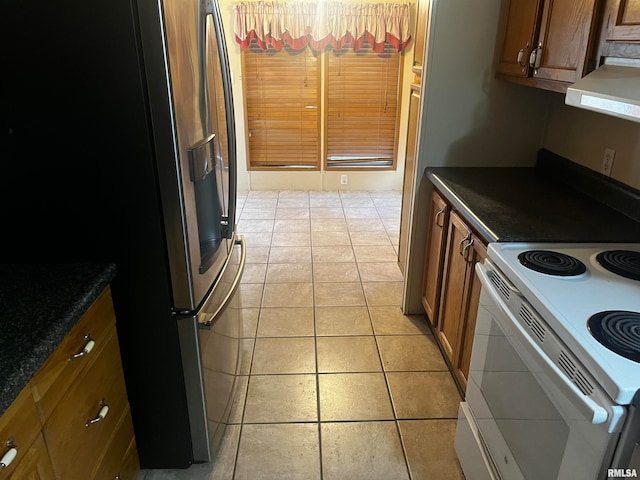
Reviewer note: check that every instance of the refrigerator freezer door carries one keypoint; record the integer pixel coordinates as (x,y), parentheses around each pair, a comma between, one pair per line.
(210,344)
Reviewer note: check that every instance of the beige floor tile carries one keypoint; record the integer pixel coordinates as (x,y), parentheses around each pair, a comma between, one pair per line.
(257,239)
(323,239)
(246,355)
(383,293)
(342,321)
(249,321)
(328,225)
(281,398)
(390,320)
(239,397)
(288,295)
(339,253)
(365,225)
(338,294)
(335,272)
(289,272)
(380,272)
(326,202)
(417,395)
(362,451)
(296,213)
(327,212)
(284,355)
(299,225)
(360,212)
(402,353)
(391,224)
(357,202)
(354,396)
(257,254)
(375,253)
(254,273)
(429,459)
(348,354)
(369,238)
(291,239)
(258,214)
(279,451)
(255,225)
(286,322)
(391,213)
(250,294)
(293,202)
(290,255)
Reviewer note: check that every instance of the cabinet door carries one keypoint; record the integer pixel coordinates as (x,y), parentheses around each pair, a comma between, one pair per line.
(420,37)
(434,256)
(453,285)
(565,39)
(475,252)
(520,20)
(624,21)
(408,184)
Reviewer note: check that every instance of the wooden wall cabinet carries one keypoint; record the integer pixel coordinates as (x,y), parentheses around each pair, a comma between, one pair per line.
(548,44)
(434,256)
(73,419)
(623,21)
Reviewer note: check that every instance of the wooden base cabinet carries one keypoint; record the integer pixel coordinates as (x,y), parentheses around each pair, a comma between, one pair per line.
(459,296)
(74,413)
(434,256)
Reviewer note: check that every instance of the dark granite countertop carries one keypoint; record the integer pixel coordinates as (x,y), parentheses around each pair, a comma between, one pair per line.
(39,304)
(530,204)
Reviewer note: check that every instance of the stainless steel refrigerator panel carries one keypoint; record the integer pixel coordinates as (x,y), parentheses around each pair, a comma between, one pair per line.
(210,343)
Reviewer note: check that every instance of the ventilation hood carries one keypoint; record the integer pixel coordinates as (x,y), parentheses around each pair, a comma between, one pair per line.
(612,89)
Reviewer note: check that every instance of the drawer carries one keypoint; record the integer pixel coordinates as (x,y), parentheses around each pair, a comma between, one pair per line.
(35,464)
(121,458)
(59,372)
(75,447)
(19,425)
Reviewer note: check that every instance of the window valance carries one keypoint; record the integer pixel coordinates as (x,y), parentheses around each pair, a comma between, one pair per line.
(322,24)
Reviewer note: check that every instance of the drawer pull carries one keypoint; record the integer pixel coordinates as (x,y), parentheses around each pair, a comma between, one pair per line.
(86,349)
(8,457)
(101,415)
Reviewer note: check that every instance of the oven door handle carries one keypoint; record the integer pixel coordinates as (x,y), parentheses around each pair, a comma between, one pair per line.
(595,413)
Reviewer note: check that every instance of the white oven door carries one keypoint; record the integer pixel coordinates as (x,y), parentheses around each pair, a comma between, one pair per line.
(532,419)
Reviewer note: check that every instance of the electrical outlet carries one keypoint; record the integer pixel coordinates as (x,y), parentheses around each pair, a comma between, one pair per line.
(607,161)
(344,179)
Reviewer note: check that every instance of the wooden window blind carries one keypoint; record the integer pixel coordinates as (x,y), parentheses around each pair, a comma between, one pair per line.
(362,108)
(282,91)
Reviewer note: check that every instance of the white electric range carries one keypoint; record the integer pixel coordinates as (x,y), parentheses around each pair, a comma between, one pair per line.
(555,372)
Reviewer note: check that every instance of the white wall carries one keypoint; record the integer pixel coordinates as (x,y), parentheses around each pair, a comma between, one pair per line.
(315,180)
(582,135)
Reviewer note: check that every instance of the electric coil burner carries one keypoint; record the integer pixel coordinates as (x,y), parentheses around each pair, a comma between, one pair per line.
(621,262)
(552,263)
(619,331)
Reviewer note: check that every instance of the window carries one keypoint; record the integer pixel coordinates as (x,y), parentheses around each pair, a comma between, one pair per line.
(282,104)
(353,107)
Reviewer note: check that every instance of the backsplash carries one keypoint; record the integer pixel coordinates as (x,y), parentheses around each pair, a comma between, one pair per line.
(582,137)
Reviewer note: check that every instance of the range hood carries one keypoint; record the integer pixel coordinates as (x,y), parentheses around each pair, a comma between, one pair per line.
(612,89)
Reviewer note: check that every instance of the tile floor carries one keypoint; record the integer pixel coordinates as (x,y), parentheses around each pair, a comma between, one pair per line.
(337,384)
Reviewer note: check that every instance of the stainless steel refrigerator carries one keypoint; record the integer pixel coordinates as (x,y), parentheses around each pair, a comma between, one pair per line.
(119,145)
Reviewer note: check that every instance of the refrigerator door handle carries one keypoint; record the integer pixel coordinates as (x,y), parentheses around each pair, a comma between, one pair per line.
(234,286)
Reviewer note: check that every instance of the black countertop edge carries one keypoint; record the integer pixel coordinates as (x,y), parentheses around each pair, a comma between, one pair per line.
(458,204)
(40,304)
(609,191)
(538,204)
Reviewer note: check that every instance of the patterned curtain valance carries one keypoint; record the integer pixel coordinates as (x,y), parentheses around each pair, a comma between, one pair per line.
(320,24)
